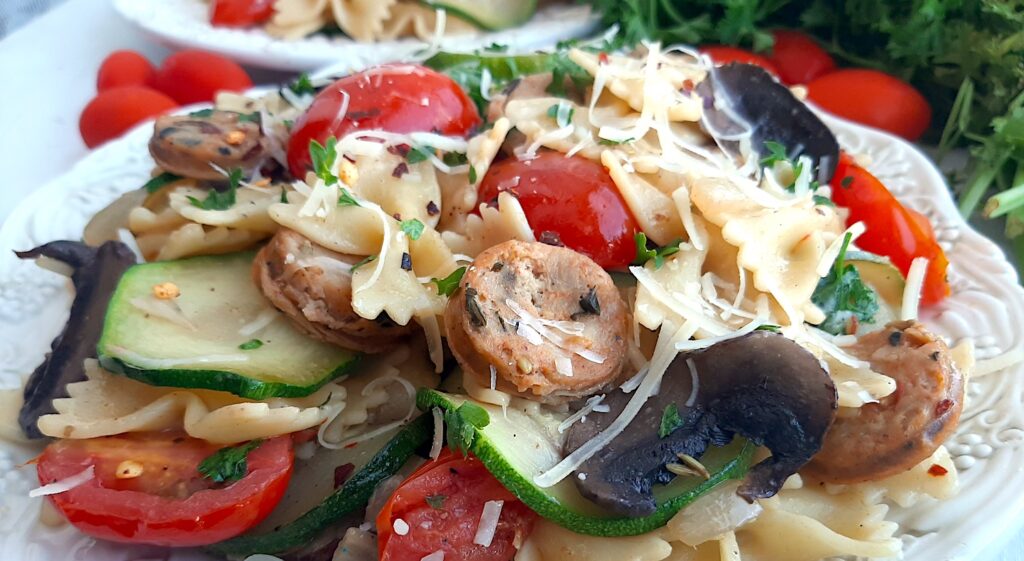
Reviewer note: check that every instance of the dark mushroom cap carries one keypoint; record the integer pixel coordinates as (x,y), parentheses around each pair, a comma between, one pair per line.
(762,386)
(97,270)
(752,94)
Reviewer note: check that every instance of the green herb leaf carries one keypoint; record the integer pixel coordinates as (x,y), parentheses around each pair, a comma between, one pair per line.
(670,420)
(769,327)
(284,195)
(496,48)
(436,502)
(776,153)
(323,158)
(658,254)
(413,228)
(419,154)
(606,142)
(302,85)
(447,285)
(823,201)
(461,425)
(844,297)
(220,200)
(454,158)
(228,464)
(561,116)
(158,182)
(251,344)
(202,113)
(363,261)
(249,117)
(472,175)
(345,198)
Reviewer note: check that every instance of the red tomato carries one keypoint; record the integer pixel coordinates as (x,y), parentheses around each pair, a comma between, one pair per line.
(573,198)
(124,68)
(394,97)
(457,488)
(873,98)
(722,55)
(111,113)
(170,504)
(240,13)
(799,58)
(892,230)
(192,76)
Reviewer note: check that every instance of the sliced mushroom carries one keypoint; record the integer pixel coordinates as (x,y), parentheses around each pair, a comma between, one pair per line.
(761,386)
(744,92)
(548,321)
(96,272)
(191,145)
(903,429)
(313,287)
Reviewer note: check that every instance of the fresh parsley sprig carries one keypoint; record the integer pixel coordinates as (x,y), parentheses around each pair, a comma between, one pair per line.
(220,200)
(461,425)
(844,297)
(658,254)
(448,285)
(228,464)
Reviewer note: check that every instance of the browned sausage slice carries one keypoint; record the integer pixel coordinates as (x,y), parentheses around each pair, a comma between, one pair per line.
(905,428)
(547,319)
(186,145)
(313,287)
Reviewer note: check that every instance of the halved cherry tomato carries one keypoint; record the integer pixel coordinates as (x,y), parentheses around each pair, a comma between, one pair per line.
(799,58)
(170,503)
(124,68)
(192,76)
(112,112)
(394,97)
(892,230)
(722,55)
(572,198)
(873,98)
(240,13)
(438,509)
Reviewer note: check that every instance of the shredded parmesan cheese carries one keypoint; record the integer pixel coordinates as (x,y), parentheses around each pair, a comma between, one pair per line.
(401,527)
(532,328)
(265,318)
(588,407)
(694,383)
(997,363)
(435,445)
(832,251)
(488,523)
(65,484)
(912,290)
(166,310)
(435,556)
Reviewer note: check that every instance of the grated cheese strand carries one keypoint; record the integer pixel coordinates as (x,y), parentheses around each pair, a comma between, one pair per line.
(488,523)
(912,290)
(63,485)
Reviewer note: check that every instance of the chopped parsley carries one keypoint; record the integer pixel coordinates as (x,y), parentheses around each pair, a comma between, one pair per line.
(436,502)
(202,113)
(823,201)
(302,85)
(158,182)
(454,158)
(496,48)
(606,142)
(228,464)
(561,115)
(251,344)
(220,200)
(472,175)
(776,153)
(419,154)
(345,198)
(363,261)
(769,327)
(658,254)
(447,285)
(670,420)
(413,228)
(323,157)
(843,296)
(461,425)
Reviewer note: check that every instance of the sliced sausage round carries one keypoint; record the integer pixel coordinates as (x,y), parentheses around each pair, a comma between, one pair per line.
(190,145)
(313,287)
(548,321)
(904,428)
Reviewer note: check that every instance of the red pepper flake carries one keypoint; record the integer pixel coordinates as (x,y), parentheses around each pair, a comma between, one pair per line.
(432,208)
(399,149)
(937,471)
(353,445)
(342,473)
(550,238)
(401,169)
(687,86)
(602,58)
(943,406)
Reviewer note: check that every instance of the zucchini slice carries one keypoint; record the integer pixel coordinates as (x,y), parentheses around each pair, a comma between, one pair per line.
(516,447)
(879,273)
(208,344)
(488,14)
(346,500)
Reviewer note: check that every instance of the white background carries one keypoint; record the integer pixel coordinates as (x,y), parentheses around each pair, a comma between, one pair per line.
(48,74)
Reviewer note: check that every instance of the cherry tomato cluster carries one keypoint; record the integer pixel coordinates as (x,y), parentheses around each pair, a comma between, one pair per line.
(866,96)
(131,90)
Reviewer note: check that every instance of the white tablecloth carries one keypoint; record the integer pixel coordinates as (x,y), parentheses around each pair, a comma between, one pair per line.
(48,73)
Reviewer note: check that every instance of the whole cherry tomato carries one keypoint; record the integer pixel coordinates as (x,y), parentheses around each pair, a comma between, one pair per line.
(439,509)
(124,68)
(572,200)
(193,76)
(112,112)
(799,58)
(722,55)
(892,230)
(240,13)
(873,98)
(169,503)
(395,98)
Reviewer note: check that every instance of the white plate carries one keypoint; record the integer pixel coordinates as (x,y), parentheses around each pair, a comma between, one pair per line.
(987,304)
(184,23)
